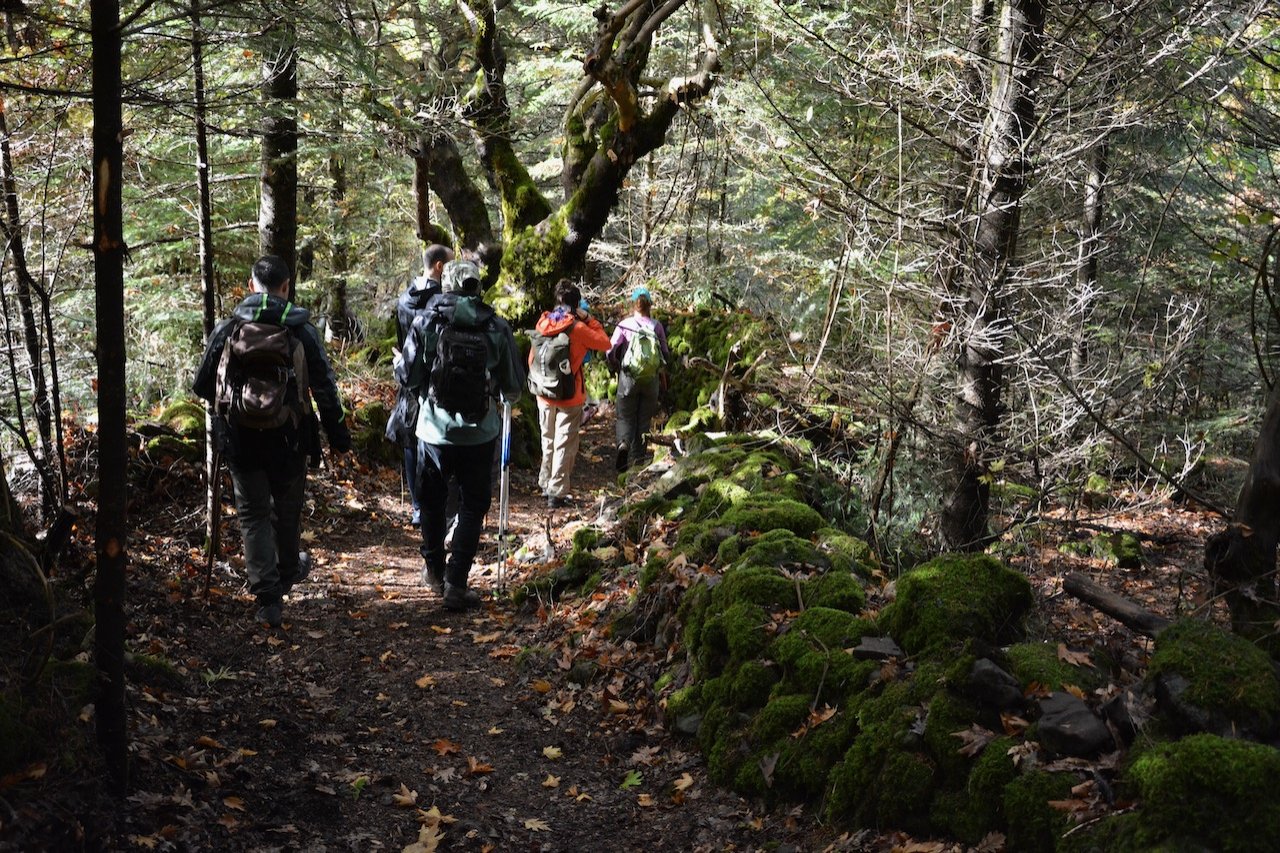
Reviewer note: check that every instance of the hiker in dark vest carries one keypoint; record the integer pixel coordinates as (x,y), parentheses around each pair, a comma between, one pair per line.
(269,465)
(457,358)
(403,422)
(638,354)
(560,417)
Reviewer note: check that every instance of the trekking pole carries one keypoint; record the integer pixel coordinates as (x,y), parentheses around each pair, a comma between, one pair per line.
(215,517)
(504,495)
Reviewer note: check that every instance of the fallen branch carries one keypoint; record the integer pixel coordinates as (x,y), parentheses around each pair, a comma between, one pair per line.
(1118,607)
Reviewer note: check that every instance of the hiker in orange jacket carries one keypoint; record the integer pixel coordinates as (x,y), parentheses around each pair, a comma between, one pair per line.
(561,420)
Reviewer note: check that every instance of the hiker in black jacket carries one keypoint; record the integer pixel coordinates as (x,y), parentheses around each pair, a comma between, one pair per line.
(404,417)
(269,466)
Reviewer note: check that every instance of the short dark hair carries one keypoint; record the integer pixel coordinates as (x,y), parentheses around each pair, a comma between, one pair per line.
(567,293)
(438,254)
(271,272)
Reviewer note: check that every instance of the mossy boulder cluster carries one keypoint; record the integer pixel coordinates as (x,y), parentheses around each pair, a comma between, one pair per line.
(806,676)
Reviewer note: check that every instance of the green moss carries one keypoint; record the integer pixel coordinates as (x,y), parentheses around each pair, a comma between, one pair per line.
(956,597)
(1225,672)
(166,446)
(948,714)
(75,681)
(1034,825)
(751,685)
(1038,663)
(185,417)
(684,702)
(781,549)
(764,512)
(835,589)
(977,807)
(905,788)
(759,585)
(745,630)
(847,552)
(729,551)
(782,716)
(1211,791)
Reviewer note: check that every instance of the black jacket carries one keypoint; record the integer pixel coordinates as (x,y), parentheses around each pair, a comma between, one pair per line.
(411,305)
(268,308)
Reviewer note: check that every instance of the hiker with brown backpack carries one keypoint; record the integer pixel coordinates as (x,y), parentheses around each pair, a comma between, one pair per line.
(261,369)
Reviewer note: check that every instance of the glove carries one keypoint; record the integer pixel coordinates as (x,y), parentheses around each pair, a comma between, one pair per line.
(340,439)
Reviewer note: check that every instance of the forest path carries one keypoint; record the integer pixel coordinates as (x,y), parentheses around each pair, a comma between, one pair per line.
(375,719)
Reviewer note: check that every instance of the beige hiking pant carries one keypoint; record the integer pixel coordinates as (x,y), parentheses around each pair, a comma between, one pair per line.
(560,429)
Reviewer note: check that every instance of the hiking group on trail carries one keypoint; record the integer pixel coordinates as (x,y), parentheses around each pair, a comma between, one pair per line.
(455,358)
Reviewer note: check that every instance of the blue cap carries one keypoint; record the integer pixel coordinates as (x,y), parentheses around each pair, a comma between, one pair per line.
(639,292)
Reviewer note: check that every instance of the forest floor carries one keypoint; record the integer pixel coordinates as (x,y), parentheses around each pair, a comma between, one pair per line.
(376,720)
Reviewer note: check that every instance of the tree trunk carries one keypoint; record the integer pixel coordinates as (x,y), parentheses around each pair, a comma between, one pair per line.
(984,326)
(1090,247)
(50,492)
(109,250)
(204,221)
(278,210)
(339,314)
(1242,559)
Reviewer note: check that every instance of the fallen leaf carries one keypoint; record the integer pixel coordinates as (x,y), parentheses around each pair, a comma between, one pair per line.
(766,768)
(552,752)
(475,767)
(404,797)
(429,838)
(1077,658)
(683,783)
(488,638)
(974,739)
(631,780)
(617,706)
(233,803)
(537,825)
(208,742)
(267,723)
(444,746)
(644,801)
(440,629)
(496,731)
(541,685)
(551,781)
(426,681)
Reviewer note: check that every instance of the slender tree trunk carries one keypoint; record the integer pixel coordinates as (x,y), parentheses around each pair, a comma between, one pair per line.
(1091,213)
(278,210)
(339,319)
(26,286)
(113,493)
(204,221)
(984,324)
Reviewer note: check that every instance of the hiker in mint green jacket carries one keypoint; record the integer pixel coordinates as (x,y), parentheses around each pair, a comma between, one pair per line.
(458,357)
(638,354)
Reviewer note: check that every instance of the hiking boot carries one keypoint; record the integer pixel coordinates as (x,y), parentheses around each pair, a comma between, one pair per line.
(433,580)
(460,598)
(620,461)
(557,501)
(271,615)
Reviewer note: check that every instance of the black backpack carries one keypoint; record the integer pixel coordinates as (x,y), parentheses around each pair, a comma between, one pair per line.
(262,378)
(459,380)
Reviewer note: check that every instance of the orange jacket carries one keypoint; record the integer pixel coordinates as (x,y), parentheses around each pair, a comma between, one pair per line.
(585,335)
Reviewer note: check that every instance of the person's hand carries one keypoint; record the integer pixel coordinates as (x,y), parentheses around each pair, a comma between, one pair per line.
(340,442)
(582,314)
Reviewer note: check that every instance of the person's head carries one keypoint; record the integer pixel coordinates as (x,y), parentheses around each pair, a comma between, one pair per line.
(641,301)
(461,277)
(435,258)
(270,275)
(568,294)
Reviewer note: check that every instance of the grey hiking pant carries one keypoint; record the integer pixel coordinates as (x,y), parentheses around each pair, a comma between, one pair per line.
(637,403)
(269,507)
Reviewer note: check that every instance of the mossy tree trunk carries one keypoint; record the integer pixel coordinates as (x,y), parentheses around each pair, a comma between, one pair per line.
(983,325)
(609,126)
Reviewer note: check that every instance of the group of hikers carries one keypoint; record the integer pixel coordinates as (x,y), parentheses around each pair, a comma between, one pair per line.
(455,358)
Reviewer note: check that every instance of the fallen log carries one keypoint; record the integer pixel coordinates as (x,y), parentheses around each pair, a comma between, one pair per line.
(1126,612)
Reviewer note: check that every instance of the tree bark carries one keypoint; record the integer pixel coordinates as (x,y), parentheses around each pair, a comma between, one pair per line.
(278,208)
(109,251)
(1124,611)
(204,222)
(339,314)
(984,325)
(50,493)
(1242,558)
(1091,214)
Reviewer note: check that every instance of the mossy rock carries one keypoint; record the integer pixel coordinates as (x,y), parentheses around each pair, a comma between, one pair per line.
(1224,680)
(1208,792)
(369,436)
(186,418)
(956,597)
(764,512)
(752,684)
(170,447)
(836,589)
(1038,663)
(1034,825)
(976,808)
(758,585)
(948,714)
(780,549)
(847,552)
(735,634)
(1123,549)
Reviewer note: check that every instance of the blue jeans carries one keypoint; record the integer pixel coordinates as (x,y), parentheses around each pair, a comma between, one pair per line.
(471,467)
(269,507)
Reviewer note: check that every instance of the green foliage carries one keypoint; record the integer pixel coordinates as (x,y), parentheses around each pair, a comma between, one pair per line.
(1034,825)
(1226,674)
(1038,663)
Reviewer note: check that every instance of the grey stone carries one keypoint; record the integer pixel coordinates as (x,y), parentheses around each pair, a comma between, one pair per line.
(878,648)
(991,685)
(1067,726)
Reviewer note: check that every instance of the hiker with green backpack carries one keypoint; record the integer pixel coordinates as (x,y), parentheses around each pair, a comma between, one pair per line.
(638,354)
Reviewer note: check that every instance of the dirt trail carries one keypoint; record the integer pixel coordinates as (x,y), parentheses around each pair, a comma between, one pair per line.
(375,719)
